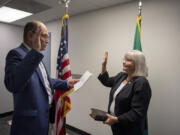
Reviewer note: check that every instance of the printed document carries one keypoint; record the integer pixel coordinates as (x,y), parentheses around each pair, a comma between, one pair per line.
(82,80)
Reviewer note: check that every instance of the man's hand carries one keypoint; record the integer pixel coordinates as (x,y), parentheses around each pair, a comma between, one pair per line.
(36,42)
(111,120)
(72,82)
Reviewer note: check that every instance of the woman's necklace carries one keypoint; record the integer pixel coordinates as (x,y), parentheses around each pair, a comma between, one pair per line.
(128,79)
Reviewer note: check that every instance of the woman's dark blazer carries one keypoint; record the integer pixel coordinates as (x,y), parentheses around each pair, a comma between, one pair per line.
(131,103)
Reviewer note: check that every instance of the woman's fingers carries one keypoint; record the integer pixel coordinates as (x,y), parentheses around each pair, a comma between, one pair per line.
(105,58)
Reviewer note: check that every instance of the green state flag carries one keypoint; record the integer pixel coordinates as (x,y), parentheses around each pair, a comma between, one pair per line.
(137,46)
(137,37)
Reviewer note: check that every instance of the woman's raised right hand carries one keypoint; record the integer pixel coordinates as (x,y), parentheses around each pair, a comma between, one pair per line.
(104,62)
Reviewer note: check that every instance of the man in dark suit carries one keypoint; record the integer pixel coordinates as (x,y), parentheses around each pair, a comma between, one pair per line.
(32,88)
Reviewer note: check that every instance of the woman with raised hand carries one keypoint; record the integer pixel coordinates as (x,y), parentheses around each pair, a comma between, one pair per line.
(130,94)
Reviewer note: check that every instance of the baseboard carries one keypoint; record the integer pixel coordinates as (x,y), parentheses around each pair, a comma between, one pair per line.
(76,130)
(6,114)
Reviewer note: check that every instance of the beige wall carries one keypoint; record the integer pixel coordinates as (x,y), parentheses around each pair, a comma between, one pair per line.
(10,37)
(112,29)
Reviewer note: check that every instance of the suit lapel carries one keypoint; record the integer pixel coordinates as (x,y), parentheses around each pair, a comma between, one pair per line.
(126,85)
(38,71)
(119,82)
(48,77)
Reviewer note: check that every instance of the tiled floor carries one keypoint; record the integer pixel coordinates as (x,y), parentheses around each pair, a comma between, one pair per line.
(5,128)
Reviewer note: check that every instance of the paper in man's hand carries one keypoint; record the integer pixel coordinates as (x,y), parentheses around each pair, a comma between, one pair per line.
(83,79)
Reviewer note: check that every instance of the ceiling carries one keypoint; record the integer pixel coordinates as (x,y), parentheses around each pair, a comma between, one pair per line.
(48,10)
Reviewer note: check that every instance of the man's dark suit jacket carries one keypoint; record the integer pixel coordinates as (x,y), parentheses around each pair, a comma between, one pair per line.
(24,80)
(131,103)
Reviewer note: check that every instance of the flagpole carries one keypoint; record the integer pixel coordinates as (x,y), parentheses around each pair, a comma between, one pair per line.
(140,7)
(65,98)
(145,132)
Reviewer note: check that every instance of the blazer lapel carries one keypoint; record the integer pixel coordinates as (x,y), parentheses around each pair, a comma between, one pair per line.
(119,82)
(128,83)
(38,71)
(50,85)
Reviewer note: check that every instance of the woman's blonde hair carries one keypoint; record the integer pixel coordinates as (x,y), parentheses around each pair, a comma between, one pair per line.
(139,60)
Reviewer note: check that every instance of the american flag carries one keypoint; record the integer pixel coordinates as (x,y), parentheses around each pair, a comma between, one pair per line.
(62,101)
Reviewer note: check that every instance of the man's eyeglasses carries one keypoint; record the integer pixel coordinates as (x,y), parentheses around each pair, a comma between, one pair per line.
(46,36)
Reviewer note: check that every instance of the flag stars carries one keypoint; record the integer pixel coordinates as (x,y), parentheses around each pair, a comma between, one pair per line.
(59,73)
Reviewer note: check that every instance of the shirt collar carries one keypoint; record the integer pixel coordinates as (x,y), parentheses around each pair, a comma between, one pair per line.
(29,49)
